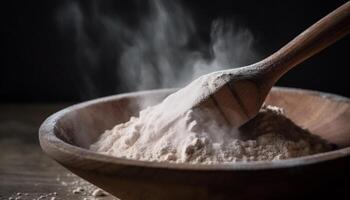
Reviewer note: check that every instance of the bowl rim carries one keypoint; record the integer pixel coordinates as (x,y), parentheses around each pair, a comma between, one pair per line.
(49,141)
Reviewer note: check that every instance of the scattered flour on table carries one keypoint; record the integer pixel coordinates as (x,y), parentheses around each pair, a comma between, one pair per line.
(82,189)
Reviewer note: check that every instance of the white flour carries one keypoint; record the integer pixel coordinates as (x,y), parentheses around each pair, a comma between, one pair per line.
(177,131)
(195,138)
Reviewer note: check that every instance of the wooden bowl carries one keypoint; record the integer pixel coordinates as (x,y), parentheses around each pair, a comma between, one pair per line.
(67,134)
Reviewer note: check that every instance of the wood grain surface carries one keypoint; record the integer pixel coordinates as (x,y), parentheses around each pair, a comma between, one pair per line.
(24,168)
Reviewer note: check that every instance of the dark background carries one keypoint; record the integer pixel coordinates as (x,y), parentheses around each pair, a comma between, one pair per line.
(38,61)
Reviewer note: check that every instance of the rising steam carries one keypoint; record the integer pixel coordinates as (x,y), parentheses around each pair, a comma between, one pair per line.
(162,50)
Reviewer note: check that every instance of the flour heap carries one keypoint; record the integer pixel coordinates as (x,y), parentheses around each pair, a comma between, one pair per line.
(194,137)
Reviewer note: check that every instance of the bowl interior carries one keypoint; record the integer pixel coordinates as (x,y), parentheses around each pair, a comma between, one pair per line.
(323,114)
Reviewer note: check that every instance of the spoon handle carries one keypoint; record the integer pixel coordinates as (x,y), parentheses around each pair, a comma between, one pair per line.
(320,35)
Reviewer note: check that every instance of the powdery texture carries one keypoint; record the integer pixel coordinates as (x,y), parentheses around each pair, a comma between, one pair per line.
(194,137)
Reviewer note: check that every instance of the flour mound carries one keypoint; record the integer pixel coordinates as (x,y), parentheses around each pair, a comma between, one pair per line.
(194,137)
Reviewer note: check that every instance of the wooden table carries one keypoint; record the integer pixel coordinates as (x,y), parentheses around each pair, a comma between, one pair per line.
(25,171)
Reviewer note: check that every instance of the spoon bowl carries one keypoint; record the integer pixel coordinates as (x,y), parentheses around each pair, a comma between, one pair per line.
(66,136)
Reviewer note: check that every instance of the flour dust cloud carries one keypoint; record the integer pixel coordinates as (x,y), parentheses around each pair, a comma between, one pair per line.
(161,48)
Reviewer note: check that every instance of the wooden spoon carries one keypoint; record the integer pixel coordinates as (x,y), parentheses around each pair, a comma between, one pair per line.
(239,93)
